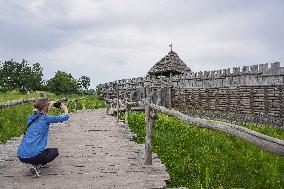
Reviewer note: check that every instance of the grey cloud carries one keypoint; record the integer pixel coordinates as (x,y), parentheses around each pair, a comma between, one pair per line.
(125,38)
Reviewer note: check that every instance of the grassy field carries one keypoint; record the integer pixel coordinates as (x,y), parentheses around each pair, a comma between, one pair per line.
(14,95)
(203,158)
(13,119)
(195,157)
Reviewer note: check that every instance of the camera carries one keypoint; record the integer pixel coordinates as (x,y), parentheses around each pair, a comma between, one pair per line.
(57,104)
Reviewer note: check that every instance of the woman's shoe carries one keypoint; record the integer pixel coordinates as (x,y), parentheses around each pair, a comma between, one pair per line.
(35,171)
(43,166)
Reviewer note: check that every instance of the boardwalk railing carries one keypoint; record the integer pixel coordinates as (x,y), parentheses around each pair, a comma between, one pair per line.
(16,102)
(75,101)
(30,100)
(271,144)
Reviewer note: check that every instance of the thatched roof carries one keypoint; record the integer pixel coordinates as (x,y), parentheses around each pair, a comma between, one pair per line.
(171,63)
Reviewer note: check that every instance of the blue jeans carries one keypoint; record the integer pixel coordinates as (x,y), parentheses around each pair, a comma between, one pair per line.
(46,156)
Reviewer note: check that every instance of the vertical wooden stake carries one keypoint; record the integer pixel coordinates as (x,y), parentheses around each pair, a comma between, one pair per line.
(126,115)
(84,104)
(148,145)
(107,107)
(169,98)
(281,100)
(75,105)
(159,95)
(67,104)
(117,110)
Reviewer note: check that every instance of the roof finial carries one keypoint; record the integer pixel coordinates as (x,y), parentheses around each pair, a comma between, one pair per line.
(171,45)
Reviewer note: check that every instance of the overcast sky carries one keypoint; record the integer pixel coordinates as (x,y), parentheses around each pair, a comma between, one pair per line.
(115,39)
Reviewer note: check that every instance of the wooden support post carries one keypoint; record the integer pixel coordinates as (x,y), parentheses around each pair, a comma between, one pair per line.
(228,100)
(238,100)
(75,105)
(251,101)
(170,92)
(107,107)
(159,97)
(281,101)
(148,144)
(67,103)
(179,97)
(84,104)
(126,114)
(117,110)
(266,103)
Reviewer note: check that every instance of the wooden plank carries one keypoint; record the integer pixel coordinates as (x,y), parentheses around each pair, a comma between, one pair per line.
(16,102)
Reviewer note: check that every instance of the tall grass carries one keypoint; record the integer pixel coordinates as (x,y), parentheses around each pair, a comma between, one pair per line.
(90,103)
(202,158)
(13,121)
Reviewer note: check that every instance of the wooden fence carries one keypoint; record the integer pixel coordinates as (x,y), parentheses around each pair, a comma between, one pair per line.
(30,100)
(271,144)
(16,102)
(253,100)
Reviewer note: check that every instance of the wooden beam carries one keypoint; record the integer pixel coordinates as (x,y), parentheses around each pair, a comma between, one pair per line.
(15,102)
(266,142)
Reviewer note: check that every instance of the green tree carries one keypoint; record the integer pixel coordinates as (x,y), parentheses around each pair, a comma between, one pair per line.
(36,81)
(84,82)
(8,73)
(23,77)
(20,76)
(62,83)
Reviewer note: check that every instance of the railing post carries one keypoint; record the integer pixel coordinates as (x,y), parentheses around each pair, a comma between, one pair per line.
(117,110)
(75,105)
(149,123)
(107,107)
(127,108)
(83,103)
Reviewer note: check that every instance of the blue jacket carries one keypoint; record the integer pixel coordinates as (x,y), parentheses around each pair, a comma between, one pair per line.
(35,139)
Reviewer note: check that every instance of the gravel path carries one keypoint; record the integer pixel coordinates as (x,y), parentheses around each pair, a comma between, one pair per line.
(95,152)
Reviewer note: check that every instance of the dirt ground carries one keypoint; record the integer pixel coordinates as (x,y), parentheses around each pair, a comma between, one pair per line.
(95,152)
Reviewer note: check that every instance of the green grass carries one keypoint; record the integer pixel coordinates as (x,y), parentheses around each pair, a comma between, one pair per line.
(203,158)
(13,121)
(13,118)
(14,95)
(275,132)
(89,102)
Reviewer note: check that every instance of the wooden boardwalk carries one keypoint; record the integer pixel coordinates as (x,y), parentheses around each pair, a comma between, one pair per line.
(95,152)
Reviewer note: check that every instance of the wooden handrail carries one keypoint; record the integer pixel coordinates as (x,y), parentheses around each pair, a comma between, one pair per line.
(29,100)
(21,101)
(266,142)
(75,102)
(15,102)
(271,144)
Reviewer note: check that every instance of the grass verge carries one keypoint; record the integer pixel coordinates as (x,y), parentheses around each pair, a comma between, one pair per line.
(204,158)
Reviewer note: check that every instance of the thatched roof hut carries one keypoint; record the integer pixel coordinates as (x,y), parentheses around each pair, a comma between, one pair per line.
(171,64)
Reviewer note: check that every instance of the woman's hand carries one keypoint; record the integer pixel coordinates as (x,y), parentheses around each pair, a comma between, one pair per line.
(64,108)
(50,105)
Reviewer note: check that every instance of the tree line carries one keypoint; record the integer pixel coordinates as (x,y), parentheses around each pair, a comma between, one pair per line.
(24,77)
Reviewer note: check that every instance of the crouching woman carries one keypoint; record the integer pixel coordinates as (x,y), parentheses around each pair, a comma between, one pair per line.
(32,149)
